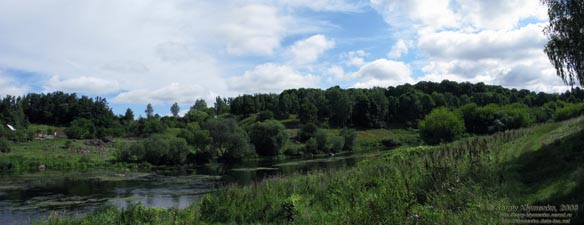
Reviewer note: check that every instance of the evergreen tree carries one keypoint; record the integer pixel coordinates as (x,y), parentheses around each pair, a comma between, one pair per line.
(175,109)
(149,110)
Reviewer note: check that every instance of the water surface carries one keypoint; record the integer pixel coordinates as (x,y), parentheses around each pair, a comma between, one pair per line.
(34,196)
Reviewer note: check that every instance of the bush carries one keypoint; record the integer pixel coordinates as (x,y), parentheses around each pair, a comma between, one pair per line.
(157,150)
(132,153)
(228,140)
(293,150)
(349,135)
(265,115)
(336,143)
(493,118)
(81,128)
(311,146)
(4,147)
(307,131)
(268,137)
(68,144)
(568,111)
(321,140)
(441,125)
(390,143)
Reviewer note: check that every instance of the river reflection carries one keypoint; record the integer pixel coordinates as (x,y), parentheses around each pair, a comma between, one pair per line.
(33,196)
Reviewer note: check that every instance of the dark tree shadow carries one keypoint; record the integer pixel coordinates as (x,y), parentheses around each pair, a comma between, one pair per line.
(553,175)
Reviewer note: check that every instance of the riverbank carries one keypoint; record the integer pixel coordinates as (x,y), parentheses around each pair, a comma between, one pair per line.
(458,183)
(63,154)
(59,153)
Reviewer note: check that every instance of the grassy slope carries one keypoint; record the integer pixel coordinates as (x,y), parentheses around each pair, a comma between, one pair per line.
(54,155)
(458,183)
(370,139)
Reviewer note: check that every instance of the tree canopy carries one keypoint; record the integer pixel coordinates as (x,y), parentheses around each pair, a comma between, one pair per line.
(565,32)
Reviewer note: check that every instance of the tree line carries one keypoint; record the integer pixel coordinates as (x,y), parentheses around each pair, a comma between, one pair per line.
(380,107)
(442,111)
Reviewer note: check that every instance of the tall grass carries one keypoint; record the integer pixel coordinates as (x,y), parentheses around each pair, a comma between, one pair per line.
(455,183)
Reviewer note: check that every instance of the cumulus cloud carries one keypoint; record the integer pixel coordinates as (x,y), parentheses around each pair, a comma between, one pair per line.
(354,58)
(404,14)
(308,50)
(513,58)
(398,49)
(336,72)
(9,86)
(92,85)
(175,92)
(498,14)
(271,78)
(254,29)
(458,14)
(147,46)
(476,41)
(383,72)
(513,44)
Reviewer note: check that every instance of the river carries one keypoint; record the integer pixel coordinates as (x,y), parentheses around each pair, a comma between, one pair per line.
(35,196)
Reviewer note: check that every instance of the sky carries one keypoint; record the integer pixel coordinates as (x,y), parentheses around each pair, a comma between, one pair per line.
(135,52)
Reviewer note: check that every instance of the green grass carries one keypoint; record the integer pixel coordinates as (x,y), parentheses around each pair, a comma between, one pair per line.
(372,139)
(457,183)
(43,128)
(54,154)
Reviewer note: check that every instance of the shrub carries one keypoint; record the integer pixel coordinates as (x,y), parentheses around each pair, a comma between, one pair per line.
(311,146)
(568,111)
(4,147)
(493,118)
(68,144)
(132,153)
(265,115)
(441,125)
(157,150)
(293,150)
(268,137)
(349,135)
(390,143)
(321,140)
(228,140)
(336,143)
(81,128)
(307,131)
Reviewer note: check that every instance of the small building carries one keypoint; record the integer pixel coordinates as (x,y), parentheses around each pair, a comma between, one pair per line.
(60,133)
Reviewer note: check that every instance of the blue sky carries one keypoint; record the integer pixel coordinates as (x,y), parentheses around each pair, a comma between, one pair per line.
(135,52)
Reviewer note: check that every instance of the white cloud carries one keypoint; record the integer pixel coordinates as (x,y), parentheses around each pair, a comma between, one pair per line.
(336,72)
(398,49)
(513,58)
(519,43)
(9,86)
(476,41)
(404,14)
(254,29)
(354,58)
(83,84)
(326,5)
(461,14)
(499,14)
(308,50)
(271,78)
(175,92)
(383,72)
(146,46)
